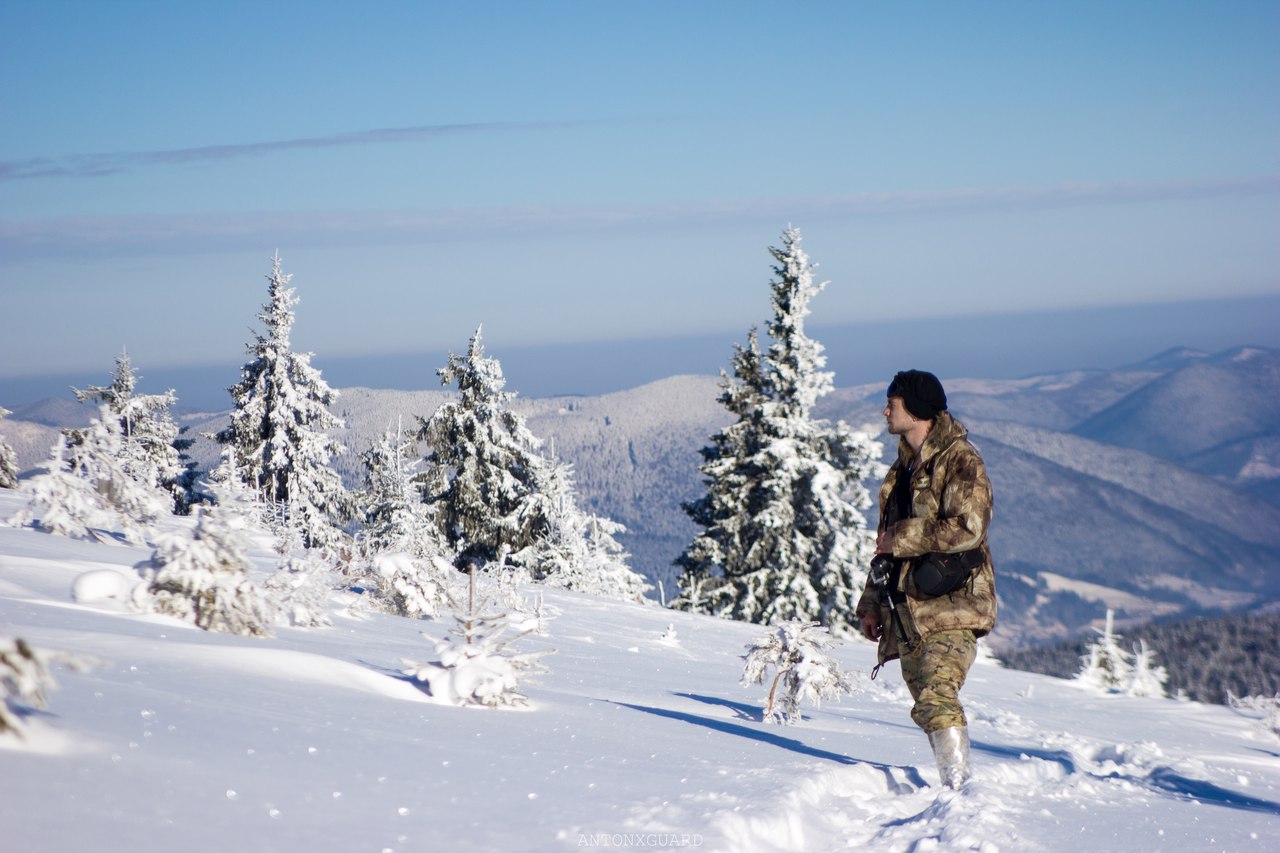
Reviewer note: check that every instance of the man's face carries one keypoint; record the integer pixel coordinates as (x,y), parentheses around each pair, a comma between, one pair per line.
(898,421)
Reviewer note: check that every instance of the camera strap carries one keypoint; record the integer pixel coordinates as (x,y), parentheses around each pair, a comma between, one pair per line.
(897,508)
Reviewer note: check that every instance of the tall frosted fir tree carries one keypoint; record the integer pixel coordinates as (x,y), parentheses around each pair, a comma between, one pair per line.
(277,442)
(484,471)
(783,535)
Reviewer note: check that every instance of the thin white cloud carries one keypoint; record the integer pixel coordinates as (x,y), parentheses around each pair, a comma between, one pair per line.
(181,233)
(95,165)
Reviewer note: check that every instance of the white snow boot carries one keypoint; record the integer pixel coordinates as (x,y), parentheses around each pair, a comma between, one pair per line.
(951,750)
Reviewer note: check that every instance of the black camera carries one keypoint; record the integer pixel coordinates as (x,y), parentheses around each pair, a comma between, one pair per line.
(881,569)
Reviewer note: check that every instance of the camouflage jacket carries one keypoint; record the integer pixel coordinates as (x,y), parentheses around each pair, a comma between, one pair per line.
(950,511)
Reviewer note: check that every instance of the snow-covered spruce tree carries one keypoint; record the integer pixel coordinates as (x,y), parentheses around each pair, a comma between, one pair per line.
(8,460)
(85,485)
(1148,677)
(476,665)
(399,557)
(783,535)
(62,502)
(484,472)
(277,441)
(401,584)
(25,680)
(1106,666)
(393,514)
(149,451)
(201,575)
(579,551)
(102,456)
(798,652)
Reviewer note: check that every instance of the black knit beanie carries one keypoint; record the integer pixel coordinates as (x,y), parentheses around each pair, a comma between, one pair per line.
(921,393)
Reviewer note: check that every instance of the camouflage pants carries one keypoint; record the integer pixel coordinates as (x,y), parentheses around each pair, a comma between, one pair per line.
(934,672)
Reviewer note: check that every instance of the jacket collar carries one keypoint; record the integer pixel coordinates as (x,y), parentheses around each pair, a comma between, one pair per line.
(945,432)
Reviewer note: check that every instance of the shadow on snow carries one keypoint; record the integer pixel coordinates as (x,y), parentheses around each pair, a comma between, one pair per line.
(787,743)
(1162,779)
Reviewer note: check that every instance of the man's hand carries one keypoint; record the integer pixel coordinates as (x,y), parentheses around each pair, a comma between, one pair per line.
(871,626)
(884,541)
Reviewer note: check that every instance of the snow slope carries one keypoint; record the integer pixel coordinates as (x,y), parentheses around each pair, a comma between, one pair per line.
(312,741)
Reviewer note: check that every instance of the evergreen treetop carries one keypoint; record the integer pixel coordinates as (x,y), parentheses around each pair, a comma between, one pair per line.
(795,360)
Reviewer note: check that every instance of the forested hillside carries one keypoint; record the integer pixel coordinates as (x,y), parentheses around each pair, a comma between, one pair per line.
(1082,525)
(1205,657)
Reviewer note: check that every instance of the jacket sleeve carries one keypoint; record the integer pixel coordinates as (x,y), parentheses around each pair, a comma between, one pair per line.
(869,602)
(959,521)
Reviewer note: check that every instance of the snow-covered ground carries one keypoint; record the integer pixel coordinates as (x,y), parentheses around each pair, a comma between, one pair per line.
(314,741)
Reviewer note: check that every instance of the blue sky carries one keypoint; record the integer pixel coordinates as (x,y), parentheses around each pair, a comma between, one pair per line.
(568,172)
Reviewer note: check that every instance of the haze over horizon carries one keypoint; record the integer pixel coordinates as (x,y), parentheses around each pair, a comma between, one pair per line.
(985,347)
(595,176)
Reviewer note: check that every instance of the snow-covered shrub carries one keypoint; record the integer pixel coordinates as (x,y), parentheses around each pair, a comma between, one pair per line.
(25,680)
(669,637)
(579,551)
(101,456)
(398,583)
(1264,709)
(61,502)
(299,587)
(150,450)
(201,576)
(8,460)
(475,663)
(84,485)
(391,508)
(412,586)
(1148,678)
(985,656)
(1105,665)
(798,651)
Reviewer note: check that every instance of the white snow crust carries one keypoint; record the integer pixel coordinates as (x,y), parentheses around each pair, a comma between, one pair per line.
(314,740)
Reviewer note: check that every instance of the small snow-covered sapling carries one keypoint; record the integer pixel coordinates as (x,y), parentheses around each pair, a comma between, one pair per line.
(797,650)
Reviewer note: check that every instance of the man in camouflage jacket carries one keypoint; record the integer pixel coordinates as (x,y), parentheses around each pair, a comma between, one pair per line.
(935,498)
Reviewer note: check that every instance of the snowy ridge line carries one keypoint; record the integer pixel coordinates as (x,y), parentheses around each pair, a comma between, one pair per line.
(1155,479)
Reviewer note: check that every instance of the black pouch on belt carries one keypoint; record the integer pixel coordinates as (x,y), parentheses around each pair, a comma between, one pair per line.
(941,573)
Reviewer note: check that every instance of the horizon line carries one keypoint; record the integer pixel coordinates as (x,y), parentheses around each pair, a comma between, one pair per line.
(705,336)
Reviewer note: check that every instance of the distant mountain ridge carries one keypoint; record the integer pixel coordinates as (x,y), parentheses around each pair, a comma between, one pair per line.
(1217,415)
(1120,488)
